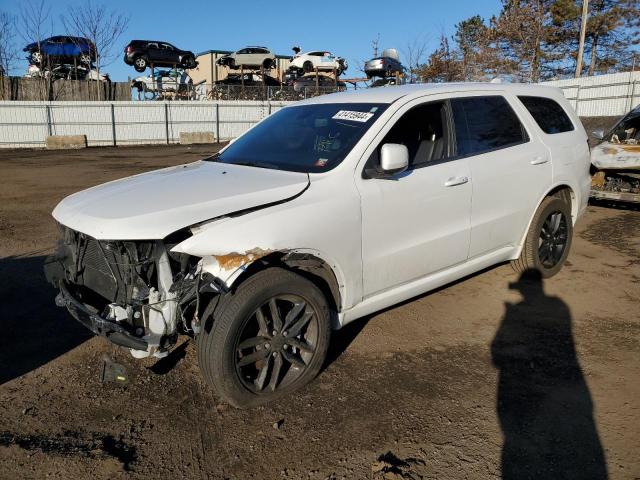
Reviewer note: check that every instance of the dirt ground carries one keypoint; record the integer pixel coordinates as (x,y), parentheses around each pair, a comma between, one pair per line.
(488,377)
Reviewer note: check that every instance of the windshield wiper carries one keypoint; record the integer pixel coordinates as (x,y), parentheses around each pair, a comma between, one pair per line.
(257,164)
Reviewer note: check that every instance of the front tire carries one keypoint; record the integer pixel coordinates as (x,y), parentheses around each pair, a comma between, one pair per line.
(267,339)
(307,67)
(549,238)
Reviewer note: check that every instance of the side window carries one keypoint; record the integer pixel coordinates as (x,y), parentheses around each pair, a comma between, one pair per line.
(485,123)
(549,116)
(423,131)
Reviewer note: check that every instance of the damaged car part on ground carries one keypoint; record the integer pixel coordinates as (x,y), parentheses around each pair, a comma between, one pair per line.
(324,212)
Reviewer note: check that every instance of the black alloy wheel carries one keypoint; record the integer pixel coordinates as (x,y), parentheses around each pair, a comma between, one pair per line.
(553,239)
(277,343)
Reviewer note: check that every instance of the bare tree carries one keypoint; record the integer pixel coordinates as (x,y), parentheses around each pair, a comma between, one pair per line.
(8,54)
(32,28)
(102,26)
(415,54)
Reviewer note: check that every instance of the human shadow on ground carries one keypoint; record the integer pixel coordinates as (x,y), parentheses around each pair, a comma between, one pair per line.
(543,402)
(33,331)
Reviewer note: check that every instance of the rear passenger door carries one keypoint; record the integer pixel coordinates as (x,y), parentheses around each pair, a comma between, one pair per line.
(509,168)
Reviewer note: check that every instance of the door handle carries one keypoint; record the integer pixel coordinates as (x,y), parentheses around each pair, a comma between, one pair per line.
(452,182)
(539,160)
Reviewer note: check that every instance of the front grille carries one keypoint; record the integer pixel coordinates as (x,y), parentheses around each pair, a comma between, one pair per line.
(119,271)
(100,273)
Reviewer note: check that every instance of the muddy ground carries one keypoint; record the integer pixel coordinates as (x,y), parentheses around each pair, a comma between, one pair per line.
(486,376)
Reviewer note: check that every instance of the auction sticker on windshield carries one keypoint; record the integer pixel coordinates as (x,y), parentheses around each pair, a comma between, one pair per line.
(353,116)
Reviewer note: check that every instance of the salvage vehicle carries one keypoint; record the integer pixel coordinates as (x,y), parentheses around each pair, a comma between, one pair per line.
(322,81)
(326,211)
(144,53)
(61,49)
(67,72)
(321,60)
(163,81)
(249,57)
(250,79)
(616,161)
(387,65)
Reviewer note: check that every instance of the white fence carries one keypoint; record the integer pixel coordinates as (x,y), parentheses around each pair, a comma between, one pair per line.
(602,95)
(27,124)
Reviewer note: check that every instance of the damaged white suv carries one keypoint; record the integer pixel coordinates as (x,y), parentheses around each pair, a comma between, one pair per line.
(326,211)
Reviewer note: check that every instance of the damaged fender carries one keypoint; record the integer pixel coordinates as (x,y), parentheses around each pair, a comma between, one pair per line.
(228,246)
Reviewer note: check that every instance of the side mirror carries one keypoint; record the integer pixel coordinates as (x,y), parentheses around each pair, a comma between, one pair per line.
(394,158)
(598,134)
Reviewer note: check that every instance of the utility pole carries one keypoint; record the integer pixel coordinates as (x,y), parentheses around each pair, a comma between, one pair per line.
(583,32)
(374,44)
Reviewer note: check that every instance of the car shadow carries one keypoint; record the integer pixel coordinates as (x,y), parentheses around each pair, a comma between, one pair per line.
(341,339)
(614,204)
(34,330)
(543,401)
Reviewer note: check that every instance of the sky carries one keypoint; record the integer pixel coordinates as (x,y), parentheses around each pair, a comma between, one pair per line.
(345,27)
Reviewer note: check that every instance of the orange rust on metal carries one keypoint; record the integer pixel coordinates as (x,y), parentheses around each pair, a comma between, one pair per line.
(235,260)
(630,148)
(609,150)
(598,180)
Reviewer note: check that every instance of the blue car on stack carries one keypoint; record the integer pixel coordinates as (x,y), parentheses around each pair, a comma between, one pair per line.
(61,49)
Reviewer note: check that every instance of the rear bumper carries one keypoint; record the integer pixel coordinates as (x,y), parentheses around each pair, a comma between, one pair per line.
(103,327)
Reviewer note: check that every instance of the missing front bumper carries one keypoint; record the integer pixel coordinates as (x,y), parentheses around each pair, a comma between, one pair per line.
(103,327)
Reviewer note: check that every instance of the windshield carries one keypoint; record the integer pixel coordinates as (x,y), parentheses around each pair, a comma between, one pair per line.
(309,138)
(628,130)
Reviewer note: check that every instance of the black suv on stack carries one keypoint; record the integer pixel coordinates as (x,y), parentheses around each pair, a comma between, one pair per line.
(143,53)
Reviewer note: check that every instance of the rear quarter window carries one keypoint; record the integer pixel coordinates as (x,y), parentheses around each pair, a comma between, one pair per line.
(483,124)
(548,114)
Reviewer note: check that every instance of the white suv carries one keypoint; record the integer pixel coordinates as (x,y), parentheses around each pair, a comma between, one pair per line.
(249,57)
(322,60)
(328,210)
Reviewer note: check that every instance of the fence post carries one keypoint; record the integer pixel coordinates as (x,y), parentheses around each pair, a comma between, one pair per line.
(48,109)
(269,107)
(578,100)
(113,125)
(166,120)
(218,122)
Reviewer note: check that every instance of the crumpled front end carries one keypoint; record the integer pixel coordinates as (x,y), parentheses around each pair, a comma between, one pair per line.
(118,289)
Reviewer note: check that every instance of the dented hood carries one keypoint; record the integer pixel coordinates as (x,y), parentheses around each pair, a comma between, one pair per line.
(155,204)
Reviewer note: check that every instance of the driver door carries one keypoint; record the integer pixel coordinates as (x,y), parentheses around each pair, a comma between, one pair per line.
(417,222)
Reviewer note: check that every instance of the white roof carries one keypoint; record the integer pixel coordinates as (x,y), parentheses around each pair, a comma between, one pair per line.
(393,93)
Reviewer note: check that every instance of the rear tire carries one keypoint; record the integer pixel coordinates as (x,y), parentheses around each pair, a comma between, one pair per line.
(251,355)
(140,64)
(36,58)
(548,241)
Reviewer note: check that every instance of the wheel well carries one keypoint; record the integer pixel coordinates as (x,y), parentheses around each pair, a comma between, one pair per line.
(309,266)
(567,194)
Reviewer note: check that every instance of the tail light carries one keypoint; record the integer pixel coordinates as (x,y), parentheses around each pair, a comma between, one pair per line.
(128,49)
